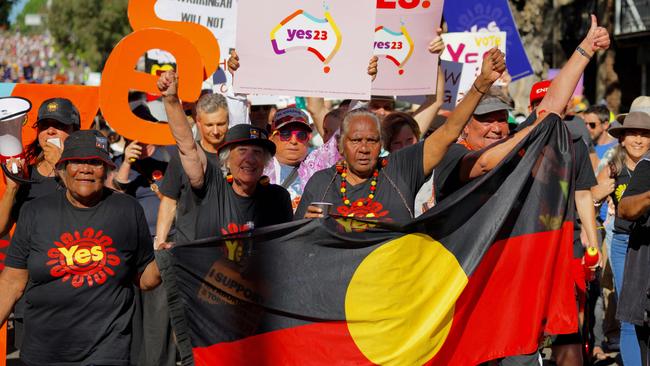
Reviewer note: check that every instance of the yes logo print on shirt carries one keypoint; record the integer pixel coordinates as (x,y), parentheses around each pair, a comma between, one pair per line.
(234,248)
(85,258)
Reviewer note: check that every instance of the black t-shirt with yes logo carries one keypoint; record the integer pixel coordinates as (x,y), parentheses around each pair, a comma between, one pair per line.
(82,264)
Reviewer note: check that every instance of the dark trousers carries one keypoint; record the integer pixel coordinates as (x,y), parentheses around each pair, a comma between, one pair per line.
(643,335)
(152,333)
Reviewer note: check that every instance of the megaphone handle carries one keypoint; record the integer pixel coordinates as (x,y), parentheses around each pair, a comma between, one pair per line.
(16,178)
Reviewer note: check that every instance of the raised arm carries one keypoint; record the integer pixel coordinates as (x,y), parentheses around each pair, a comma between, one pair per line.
(562,87)
(437,144)
(193,159)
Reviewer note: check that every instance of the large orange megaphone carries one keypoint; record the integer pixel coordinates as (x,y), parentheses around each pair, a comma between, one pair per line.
(13,113)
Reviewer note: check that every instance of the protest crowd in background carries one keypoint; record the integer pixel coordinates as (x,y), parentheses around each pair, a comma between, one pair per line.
(34,59)
(382,159)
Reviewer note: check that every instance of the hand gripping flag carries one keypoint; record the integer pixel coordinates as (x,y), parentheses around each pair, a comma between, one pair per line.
(483,275)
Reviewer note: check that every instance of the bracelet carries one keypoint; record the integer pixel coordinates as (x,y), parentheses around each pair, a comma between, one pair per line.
(597,203)
(478,90)
(581,51)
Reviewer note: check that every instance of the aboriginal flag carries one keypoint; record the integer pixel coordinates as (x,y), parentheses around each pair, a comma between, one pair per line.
(483,275)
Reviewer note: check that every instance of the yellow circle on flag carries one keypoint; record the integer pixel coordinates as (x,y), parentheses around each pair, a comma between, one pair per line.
(399,305)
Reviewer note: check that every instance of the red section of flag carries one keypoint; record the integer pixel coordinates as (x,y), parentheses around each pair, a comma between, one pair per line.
(523,288)
(313,344)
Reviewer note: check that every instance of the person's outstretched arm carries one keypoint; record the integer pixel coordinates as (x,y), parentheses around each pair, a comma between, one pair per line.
(561,89)
(437,144)
(193,159)
(555,101)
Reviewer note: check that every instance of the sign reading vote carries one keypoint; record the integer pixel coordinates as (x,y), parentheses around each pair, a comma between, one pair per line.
(490,16)
(306,48)
(403,31)
(469,49)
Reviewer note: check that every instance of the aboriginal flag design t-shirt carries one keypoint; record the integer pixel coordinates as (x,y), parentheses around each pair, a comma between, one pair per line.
(82,264)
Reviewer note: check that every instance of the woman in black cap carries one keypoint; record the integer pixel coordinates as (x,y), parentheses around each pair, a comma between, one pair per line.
(81,248)
(57,118)
(233,195)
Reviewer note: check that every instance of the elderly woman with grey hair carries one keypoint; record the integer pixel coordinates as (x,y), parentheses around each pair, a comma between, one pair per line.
(364,185)
(231,194)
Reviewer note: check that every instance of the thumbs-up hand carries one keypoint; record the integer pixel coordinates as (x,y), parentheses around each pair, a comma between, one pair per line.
(597,38)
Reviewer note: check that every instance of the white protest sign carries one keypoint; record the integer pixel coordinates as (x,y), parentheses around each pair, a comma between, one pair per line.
(403,31)
(219,16)
(469,49)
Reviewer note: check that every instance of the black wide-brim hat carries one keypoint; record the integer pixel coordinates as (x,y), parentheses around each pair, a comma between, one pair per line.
(245,134)
(86,145)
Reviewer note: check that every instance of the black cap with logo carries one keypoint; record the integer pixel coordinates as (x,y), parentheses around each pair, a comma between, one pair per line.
(61,110)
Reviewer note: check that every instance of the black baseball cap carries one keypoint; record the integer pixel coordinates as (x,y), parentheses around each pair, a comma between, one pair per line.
(61,110)
(86,145)
(248,135)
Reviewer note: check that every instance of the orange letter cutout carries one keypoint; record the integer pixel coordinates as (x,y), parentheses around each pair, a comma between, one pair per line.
(142,15)
(119,76)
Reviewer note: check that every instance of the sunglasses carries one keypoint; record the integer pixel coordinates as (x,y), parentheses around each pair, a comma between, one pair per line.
(43,125)
(592,125)
(300,135)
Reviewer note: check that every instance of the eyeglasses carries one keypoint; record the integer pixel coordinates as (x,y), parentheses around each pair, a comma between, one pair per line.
(592,125)
(300,135)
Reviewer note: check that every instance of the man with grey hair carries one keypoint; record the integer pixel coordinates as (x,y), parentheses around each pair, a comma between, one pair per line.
(176,201)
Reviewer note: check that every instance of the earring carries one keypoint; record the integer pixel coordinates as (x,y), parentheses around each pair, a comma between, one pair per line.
(229,178)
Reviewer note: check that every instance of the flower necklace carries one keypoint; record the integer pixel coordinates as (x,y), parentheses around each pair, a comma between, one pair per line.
(342,169)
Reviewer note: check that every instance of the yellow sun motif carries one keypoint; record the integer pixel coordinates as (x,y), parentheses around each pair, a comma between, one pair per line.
(620,190)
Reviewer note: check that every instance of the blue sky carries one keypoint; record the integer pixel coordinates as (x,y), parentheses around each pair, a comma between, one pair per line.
(18,7)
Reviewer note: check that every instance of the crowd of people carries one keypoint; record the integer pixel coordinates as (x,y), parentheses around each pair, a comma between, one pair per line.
(35,59)
(110,202)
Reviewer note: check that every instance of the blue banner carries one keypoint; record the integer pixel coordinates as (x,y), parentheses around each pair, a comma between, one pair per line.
(490,16)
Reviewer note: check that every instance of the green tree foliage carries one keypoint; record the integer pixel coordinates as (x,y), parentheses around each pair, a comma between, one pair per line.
(89,29)
(31,7)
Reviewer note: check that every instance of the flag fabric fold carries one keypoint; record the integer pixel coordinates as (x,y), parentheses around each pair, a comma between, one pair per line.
(483,275)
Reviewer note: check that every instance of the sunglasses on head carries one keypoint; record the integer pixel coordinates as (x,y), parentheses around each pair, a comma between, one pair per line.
(301,136)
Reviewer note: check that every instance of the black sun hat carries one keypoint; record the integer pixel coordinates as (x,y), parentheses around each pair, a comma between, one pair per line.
(86,145)
(248,135)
